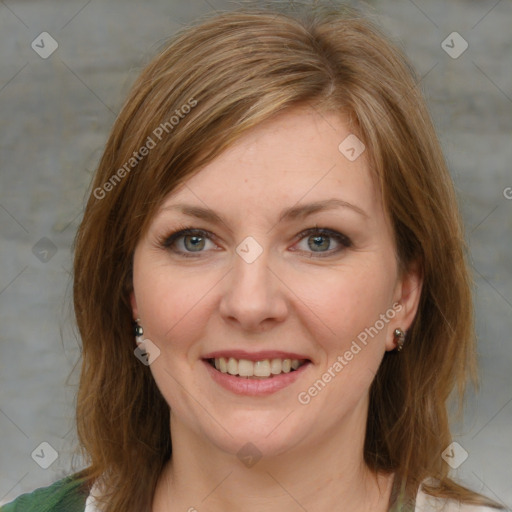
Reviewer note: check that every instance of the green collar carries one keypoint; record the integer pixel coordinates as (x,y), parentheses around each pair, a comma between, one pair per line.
(66,495)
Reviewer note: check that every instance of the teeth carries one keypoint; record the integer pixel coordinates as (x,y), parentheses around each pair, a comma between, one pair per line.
(276,366)
(245,368)
(263,369)
(232,366)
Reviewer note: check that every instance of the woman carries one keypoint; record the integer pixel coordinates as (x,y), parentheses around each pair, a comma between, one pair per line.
(270,282)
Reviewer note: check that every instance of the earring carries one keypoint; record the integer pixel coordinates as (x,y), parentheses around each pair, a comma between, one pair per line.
(138,331)
(399,337)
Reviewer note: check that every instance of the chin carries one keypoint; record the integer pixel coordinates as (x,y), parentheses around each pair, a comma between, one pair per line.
(259,435)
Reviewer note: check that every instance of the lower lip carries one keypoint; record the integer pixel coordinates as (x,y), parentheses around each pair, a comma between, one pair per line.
(255,387)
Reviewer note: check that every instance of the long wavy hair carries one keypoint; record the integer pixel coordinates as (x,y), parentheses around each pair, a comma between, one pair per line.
(209,85)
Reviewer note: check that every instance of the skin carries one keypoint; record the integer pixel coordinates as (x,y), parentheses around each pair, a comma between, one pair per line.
(290,298)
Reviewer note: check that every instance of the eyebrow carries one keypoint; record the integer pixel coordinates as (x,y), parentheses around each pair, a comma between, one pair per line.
(292,213)
(318,206)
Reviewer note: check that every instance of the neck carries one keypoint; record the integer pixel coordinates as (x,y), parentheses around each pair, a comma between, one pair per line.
(327,475)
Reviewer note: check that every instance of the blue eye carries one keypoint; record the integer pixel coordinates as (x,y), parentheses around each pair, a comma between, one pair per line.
(319,242)
(322,241)
(188,240)
(194,243)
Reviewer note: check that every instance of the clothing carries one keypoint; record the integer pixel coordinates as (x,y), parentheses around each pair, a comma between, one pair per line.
(66,495)
(69,495)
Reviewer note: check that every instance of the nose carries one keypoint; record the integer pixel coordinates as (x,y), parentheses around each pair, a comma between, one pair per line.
(253,299)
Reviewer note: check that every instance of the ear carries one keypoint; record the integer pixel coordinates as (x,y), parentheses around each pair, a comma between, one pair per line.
(133,302)
(407,297)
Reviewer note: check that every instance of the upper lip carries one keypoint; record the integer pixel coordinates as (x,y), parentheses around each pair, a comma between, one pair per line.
(255,356)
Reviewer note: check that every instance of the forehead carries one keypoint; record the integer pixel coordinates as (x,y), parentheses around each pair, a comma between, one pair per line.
(293,157)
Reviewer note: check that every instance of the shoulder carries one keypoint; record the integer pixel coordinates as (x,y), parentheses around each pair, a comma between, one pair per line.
(427,503)
(66,495)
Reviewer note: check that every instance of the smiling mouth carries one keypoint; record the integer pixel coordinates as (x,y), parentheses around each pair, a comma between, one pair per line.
(264,369)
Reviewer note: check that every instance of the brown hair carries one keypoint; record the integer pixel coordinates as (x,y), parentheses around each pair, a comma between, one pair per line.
(209,85)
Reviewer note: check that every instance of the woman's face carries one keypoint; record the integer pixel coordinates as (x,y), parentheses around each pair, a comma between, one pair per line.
(289,263)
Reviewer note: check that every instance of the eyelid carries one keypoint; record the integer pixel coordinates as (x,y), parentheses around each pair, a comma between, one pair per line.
(181,231)
(167,241)
(342,239)
(324,231)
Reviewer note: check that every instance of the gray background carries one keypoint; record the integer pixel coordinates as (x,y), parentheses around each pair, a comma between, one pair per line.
(55,117)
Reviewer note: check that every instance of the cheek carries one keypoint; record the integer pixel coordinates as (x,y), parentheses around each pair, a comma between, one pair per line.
(345,303)
(352,337)
(173,306)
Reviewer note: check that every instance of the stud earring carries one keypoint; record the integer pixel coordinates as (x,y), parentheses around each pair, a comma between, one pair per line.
(138,331)
(399,337)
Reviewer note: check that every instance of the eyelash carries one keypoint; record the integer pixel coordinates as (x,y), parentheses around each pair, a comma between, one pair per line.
(167,242)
